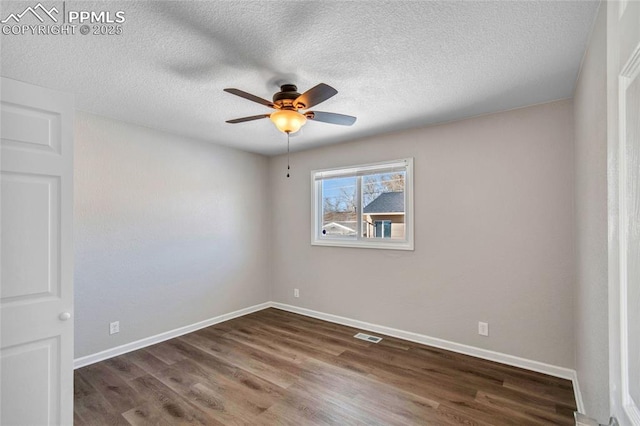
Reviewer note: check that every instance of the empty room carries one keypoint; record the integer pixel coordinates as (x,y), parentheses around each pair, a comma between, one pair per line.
(320,212)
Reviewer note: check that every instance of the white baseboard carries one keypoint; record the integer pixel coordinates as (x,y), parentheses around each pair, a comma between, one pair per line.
(577,393)
(148,341)
(527,364)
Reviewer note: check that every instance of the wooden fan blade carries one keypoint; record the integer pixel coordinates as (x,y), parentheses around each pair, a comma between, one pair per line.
(243,119)
(250,97)
(331,117)
(314,96)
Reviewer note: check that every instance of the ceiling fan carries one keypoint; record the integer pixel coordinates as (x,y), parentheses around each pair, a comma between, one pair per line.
(288,103)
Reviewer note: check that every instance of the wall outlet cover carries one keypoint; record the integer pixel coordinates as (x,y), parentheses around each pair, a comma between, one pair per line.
(483,328)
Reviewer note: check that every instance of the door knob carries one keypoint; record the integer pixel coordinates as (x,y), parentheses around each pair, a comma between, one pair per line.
(64,316)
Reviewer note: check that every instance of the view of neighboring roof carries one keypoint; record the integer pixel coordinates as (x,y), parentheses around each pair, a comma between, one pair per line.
(345,228)
(387,202)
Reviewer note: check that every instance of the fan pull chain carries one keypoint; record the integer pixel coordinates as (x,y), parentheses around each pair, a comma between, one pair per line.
(288,166)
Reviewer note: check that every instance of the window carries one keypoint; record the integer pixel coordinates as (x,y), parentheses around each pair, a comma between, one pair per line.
(382,229)
(364,206)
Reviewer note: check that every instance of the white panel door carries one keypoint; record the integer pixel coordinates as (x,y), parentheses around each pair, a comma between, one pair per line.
(623,33)
(36,253)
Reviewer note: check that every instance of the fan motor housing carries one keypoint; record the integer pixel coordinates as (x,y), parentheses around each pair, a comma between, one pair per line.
(288,93)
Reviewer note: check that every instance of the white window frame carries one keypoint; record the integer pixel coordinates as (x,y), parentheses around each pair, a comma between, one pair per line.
(317,239)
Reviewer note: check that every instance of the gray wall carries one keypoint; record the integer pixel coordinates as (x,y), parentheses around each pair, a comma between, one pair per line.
(591,313)
(493,235)
(168,231)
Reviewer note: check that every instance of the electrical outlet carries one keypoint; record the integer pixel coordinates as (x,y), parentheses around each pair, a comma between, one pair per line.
(483,328)
(114,327)
(296,292)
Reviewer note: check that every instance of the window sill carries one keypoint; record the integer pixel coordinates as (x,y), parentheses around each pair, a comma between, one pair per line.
(388,245)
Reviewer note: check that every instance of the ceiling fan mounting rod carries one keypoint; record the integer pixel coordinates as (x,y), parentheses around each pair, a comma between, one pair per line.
(288,88)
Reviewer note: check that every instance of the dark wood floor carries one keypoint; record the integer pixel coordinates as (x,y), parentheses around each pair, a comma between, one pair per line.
(278,368)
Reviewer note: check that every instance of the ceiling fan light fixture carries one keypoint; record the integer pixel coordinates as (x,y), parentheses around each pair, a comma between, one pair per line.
(287,120)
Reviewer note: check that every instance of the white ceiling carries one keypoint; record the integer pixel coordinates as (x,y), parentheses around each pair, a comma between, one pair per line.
(395,64)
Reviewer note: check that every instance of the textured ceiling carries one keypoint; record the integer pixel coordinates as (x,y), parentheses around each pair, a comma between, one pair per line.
(395,64)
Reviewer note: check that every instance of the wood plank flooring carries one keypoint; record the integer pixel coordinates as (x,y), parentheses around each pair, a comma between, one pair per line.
(277,368)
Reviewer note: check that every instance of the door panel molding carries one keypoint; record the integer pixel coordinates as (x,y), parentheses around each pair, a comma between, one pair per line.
(30,129)
(21,193)
(25,362)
